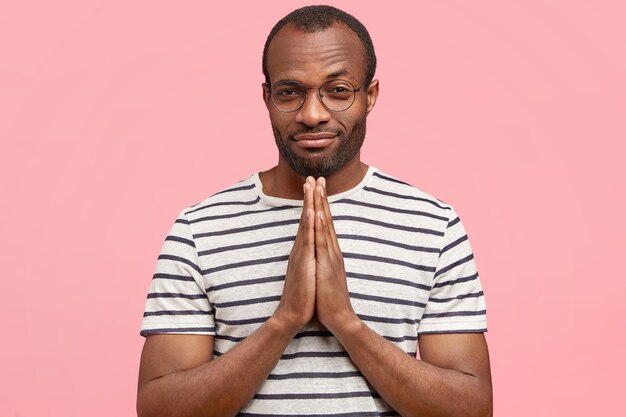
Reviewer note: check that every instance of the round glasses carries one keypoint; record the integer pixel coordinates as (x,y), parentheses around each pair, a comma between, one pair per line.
(335,95)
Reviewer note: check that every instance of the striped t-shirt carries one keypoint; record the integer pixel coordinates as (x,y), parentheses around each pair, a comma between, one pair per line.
(409,266)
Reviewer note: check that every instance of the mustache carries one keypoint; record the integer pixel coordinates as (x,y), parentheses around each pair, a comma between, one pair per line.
(337,132)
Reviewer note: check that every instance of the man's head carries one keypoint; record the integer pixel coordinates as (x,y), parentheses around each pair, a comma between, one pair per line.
(311,47)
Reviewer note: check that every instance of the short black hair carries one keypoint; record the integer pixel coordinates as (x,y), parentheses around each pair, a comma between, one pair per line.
(312,19)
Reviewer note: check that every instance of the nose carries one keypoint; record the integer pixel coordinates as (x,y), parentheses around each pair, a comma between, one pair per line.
(313,111)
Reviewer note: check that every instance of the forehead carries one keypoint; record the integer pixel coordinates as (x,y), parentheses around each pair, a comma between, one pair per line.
(312,58)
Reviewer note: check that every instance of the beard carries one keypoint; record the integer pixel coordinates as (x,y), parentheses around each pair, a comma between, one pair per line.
(321,165)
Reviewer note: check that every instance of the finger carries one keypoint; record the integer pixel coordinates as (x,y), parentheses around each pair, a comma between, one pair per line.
(328,215)
(308,230)
(322,235)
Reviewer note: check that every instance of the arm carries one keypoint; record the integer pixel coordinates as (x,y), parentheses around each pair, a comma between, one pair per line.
(452,379)
(177,376)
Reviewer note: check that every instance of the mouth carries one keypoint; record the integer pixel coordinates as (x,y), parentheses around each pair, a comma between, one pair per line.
(314,140)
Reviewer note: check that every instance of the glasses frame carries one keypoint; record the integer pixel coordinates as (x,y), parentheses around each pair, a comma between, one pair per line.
(319,94)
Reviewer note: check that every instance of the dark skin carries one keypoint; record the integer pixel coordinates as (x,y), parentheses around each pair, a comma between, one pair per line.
(178,376)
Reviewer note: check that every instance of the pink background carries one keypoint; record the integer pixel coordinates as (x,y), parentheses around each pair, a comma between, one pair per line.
(114,115)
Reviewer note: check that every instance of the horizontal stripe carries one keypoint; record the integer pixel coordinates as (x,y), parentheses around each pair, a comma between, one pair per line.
(263,261)
(453,244)
(246,282)
(240,214)
(401,338)
(179,259)
(312,375)
(160,275)
(388,242)
(233,189)
(176,295)
(247,245)
(456,281)
(483,330)
(390,179)
(225,203)
(242,322)
(259,300)
(454,264)
(177,313)
(297,355)
(392,209)
(454,222)
(177,330)
(458,297)
(235,339)
(375,319)
(398,281)
(313,333)
(388,261)
(386,300)
(454,314)
(181,240)
(316,396)
(388,225)
(353,414)
(247,228)
(403,197)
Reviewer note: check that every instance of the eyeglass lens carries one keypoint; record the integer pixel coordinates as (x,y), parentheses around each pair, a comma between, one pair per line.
(337,95)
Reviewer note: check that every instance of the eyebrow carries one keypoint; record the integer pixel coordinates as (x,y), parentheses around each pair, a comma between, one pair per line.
(338,73)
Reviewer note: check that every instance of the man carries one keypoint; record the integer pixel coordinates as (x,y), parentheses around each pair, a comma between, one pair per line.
(303,289)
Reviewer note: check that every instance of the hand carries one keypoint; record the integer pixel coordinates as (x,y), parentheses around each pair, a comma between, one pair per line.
(297,304)
(333,306)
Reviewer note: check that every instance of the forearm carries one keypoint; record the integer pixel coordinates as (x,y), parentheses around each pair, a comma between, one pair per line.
(411,386)
(220,387)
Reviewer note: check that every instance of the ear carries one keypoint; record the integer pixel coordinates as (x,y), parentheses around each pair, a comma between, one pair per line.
(266,95)
(372,95)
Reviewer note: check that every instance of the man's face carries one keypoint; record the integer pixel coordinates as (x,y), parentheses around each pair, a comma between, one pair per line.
(314,140)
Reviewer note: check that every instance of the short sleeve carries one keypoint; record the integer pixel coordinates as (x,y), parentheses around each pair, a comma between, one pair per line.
(456,303)
(177,301)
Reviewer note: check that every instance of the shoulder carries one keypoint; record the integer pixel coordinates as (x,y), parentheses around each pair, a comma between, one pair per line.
(236,196)
(393,191)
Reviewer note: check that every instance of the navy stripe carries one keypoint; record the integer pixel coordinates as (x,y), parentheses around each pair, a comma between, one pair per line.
(401,338)
(453,244)
(247,228)
(453,222)
(181,240)
(389,261)
(388,242)
(245,283)
(230,338)
(247,245)
(240,188)
(389,225)
(354,414)
(456,281)
(177,330)
(454,264)
(226,203)
(182,221)
(242,322)
(307,375)
(246,263)
(389,280)
(313,333)
(390,179)
(392,209)
(320,395)
(455,314)
(176,295)
(175,277)
(404,197)
(483,330)
(376,319)
(314,355)
(385,300)
(458,297)
(181,260)
(177,313)
(241,213)
(248,302)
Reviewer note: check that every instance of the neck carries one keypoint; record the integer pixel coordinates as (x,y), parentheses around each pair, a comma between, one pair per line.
(283,182)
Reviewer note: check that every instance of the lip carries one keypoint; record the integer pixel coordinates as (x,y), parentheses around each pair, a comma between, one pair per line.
(315,140)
